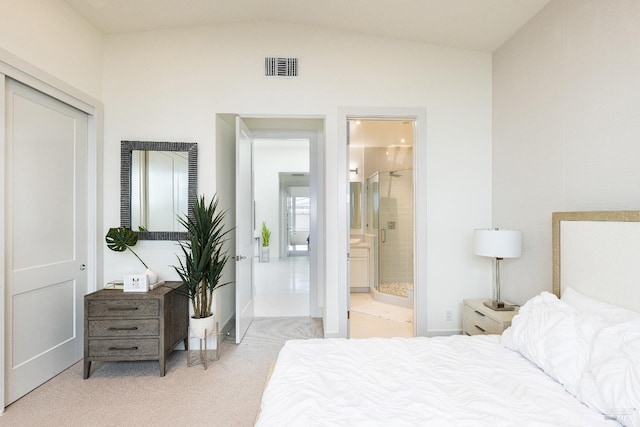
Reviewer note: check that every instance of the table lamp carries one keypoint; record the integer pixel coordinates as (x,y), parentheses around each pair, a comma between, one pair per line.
(497,244)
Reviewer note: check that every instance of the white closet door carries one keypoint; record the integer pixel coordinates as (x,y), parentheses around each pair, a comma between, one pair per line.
(46,239)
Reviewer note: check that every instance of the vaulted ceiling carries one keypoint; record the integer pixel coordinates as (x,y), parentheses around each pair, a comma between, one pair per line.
(482,25)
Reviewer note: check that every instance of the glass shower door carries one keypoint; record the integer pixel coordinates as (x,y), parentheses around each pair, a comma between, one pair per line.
(395,232)
(372,223)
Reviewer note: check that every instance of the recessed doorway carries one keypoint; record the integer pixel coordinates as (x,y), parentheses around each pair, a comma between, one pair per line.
(282,203)
(381,235)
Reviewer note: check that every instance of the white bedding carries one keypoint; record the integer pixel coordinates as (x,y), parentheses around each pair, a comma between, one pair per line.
(457,380)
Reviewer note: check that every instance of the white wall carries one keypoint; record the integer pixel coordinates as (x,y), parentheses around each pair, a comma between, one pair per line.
(566,112)
(168,85)
(50,35)
(270,158)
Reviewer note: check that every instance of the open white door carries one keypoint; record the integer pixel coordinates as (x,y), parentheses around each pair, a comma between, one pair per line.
(244,229)
(46,237)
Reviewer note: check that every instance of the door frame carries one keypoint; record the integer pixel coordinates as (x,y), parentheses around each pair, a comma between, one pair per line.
(25,73)
(420,284)
(311,127)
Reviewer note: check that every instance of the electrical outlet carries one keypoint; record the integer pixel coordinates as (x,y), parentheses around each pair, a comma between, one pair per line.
(448,315)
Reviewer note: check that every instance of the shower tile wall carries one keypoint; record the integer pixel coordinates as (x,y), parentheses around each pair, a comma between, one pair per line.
(396,257)
(396,216)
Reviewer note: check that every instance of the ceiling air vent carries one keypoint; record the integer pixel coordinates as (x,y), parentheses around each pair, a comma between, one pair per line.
(280,67)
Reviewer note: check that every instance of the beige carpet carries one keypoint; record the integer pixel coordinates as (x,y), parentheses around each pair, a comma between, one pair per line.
(133,394)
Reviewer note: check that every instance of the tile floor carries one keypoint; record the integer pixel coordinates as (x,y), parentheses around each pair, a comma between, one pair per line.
(281,287)
(282,290)
(371,318)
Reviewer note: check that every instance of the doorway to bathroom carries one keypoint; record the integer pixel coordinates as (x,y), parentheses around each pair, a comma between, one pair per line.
(381,261)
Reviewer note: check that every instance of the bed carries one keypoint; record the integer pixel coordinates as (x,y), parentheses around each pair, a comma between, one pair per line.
(568,361)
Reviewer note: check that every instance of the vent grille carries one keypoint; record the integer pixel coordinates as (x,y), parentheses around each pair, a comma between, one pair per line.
(281,67)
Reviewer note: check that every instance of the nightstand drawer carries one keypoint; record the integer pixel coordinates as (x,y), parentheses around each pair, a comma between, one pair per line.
(123,308)
(482,322)
(471,328)
(124,327)
(124,347)
(477,318)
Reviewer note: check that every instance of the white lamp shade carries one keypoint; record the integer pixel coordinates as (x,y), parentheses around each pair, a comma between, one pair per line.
(496,243)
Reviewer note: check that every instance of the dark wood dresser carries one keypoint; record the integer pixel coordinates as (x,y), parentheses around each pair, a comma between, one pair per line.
(125,326)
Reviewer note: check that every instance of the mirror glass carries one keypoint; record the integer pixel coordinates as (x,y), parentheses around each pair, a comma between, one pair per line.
(355,204)
(158,185)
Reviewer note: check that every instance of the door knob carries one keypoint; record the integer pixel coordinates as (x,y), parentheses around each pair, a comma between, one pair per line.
(239,257)
(83,267)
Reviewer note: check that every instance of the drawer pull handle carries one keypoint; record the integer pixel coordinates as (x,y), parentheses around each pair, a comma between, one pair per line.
(478,313)
(479,328)
(131,328)
(122,348)
(122,308)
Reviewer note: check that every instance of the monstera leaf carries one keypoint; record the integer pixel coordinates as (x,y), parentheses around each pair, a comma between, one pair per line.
(120,239)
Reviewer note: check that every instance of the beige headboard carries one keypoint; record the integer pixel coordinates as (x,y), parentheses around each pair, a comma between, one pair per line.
(598,254)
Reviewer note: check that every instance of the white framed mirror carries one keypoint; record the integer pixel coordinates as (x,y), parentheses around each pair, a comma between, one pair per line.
(158,185)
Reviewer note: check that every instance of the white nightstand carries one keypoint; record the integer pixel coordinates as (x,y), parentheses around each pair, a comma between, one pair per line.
(479,319)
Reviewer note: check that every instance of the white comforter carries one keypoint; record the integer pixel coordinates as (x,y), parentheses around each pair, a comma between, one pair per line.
(458,381)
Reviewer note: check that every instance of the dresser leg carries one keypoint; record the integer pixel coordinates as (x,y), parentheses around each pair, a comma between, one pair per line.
(163,366)
(87,368)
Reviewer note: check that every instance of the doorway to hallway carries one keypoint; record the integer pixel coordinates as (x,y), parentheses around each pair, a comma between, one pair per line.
(282,201)
(311,129)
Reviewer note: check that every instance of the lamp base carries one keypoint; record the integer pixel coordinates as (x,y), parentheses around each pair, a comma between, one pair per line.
(498,305)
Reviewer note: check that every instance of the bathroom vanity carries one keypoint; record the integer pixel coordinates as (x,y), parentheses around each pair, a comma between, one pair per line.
(359,266)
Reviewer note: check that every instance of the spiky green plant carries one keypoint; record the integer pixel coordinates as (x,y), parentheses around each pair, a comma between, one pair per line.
(204,254)
(266,234)
(120,239)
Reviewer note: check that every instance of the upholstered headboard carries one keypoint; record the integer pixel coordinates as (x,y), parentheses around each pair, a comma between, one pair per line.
(598,254)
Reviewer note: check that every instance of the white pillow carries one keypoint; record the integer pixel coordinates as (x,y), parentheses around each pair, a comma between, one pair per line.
(615,364)
(555,337)
(610,313)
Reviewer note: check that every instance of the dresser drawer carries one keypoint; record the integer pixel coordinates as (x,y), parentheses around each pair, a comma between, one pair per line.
(124,327)
(123,307)
(123,348)
(476,321)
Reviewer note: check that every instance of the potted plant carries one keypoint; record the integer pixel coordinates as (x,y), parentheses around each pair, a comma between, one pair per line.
(204,259)
(120,239)
(266,237)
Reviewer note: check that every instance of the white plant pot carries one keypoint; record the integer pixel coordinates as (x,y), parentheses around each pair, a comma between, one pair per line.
(264,254)
(198,327)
